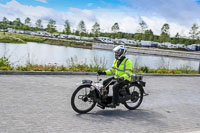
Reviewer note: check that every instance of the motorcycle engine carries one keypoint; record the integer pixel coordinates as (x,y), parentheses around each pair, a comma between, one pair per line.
(123,91)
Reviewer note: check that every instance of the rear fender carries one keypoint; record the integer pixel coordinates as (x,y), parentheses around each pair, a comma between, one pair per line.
(139,86)
(142,83)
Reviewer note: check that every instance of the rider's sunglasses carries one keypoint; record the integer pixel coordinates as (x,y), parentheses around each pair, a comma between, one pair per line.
(117,53)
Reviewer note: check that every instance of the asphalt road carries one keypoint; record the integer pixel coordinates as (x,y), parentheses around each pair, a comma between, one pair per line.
(41,104)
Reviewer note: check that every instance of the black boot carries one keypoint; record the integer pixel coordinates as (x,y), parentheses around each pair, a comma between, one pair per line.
(113,105)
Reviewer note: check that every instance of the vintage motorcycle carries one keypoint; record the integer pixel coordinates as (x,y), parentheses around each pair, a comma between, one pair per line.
(88,94)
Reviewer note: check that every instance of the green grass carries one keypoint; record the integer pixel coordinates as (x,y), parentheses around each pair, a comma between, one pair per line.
(10,39)
(90,68)
(54,68)
(23,38)
(181,70)
(29,38)
(20,38)
(65,42)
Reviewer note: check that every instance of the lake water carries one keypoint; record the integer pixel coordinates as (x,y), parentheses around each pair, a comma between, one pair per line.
(44,54)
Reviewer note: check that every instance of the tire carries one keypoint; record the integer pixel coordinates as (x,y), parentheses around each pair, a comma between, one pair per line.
(138,93)
(84,100)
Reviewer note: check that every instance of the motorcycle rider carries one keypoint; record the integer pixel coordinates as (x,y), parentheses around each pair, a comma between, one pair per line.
(122,70)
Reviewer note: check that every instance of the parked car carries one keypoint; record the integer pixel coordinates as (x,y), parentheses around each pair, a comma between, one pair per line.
(87,38)
(104,39)
(62,36)
(146,43)
(3,30)
(192,47)
(180,46)
(126,41)
(154,44)
(11,30)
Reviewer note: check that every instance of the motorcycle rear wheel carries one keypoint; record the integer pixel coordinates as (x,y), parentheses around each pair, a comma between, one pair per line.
(81,102)
(136,91)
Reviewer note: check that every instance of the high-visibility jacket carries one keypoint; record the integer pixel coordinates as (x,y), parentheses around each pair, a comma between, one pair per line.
(124,69)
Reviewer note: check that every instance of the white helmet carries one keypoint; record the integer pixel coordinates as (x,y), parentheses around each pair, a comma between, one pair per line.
(120,51)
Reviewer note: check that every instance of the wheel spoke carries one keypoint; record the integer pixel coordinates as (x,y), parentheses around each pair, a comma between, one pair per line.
(136,97)
(81,102)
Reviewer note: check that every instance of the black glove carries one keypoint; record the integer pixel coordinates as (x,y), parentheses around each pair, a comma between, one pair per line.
(101,73)
(120,79)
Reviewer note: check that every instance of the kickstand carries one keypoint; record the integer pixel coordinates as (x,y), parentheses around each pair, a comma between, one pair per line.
(145,94)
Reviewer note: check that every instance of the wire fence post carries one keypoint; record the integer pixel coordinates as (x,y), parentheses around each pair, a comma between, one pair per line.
(199,67)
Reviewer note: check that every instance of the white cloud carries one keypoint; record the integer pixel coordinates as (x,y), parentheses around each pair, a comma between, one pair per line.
(90,4)
(43,1)
(105,17)
(183,12)
(14,9)
(155,24)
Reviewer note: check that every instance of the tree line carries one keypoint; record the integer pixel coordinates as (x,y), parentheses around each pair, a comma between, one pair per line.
(143,32)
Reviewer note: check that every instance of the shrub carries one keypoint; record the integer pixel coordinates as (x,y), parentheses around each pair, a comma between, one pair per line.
(4,62)
(144,69)
(5,68)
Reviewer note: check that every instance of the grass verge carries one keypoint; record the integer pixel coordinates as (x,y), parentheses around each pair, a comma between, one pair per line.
(23,38)
(90,68)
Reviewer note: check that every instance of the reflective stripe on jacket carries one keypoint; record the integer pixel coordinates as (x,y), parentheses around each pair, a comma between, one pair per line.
(124,69)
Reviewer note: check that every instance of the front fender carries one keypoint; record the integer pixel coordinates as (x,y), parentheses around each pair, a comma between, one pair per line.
(93,88)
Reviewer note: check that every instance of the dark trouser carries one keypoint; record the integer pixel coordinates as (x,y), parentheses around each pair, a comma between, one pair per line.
(116,87)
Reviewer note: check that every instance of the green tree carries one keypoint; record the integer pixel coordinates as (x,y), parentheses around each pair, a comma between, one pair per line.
(194,33)
(164,36)
(25,27)
(115,28)
(148,35)
(118,35)
(67,26)
(76,33)
(156,38)
(5,21)
(81,28)
(51,27)
(177,35)
(17,24)
(27,21)
(138,36)
(165,29)
(38,24)
(27,24)
(176,38)
(182,41)
(143,27)
(127,36)
(4,24)
(96,29)
(17,20)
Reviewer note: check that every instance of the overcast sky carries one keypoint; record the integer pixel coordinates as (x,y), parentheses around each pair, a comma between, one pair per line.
(179,14)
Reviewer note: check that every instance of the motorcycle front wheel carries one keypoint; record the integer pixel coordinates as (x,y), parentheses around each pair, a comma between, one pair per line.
(136,92)
(81,100)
